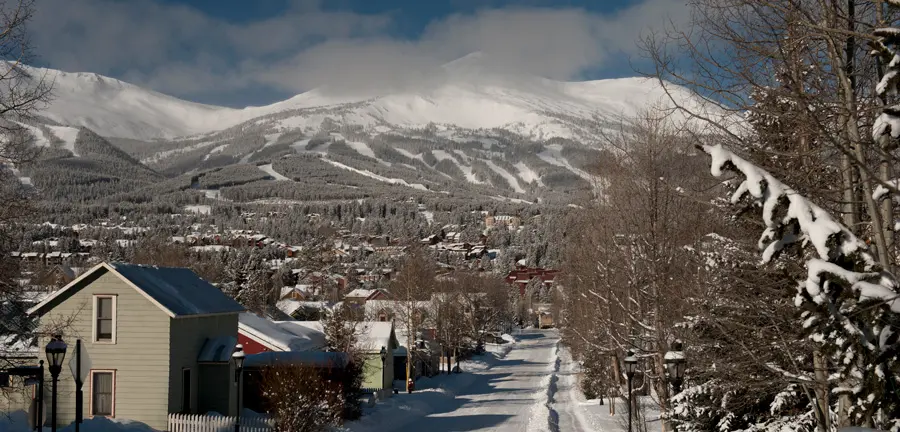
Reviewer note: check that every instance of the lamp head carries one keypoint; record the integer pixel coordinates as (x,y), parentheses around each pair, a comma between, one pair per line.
(630,364)
(56,352)
(238,356)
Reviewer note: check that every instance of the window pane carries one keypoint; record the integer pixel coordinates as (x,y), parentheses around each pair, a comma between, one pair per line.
(102,389)
(104,329)
(104,306)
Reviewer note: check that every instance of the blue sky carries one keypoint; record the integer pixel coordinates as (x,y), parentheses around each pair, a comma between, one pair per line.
(240,52)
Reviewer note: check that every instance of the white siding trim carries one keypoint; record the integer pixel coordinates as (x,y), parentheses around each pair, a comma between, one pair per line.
(91,392)
(115,318)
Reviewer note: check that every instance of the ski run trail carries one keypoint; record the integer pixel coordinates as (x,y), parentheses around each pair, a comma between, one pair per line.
(533,389)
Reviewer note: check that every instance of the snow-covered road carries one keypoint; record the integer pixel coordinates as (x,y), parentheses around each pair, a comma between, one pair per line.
(511,396)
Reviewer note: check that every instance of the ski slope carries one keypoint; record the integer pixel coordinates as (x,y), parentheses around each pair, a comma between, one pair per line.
(68,135)
(267,168)
(372,175)
(466,169)
(511,179)
(527,174)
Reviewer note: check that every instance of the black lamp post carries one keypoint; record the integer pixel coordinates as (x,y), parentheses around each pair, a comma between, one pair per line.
(238,358)
(383,357)
(630,368)
(675,365)
(56,353)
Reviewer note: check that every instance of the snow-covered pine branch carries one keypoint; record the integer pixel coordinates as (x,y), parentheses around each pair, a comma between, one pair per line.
(850,306)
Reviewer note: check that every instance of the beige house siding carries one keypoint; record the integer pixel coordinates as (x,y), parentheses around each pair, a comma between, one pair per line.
(139,356)
(188,335)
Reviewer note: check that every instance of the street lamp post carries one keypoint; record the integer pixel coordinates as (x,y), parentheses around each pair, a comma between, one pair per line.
(675,365)
(383,357)
(56,353)
(630,368)
(238,358)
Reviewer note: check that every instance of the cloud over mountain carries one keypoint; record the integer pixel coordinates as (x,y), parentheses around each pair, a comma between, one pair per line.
(180,50)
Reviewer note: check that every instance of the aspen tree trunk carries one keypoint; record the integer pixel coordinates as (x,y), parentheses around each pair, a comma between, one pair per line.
(885,145)
(617,373)
(821,390)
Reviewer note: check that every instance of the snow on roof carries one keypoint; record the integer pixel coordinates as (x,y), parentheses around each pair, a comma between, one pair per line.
(360,293)
(289,306)
(374,335)
(303,326)
(281,335)
(177,291)
(373,307)
(14,346)
(217,349)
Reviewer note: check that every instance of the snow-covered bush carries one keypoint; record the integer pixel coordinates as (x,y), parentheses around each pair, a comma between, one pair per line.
(302,399)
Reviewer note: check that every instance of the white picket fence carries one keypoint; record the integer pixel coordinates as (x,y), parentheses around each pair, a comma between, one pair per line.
(210,423)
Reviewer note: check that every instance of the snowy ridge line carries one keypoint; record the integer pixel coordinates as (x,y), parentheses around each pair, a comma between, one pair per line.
(544,417)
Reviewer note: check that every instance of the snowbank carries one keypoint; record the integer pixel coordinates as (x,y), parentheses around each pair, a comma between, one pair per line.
(543,416)
(18,422)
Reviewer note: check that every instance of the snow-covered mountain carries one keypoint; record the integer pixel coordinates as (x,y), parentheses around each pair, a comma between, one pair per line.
(467,128)
(466,93)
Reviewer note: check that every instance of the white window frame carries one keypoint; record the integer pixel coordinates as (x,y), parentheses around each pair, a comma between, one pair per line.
(91,393)
(95,310)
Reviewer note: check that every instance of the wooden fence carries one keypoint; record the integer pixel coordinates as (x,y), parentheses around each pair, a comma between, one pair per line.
(209,423)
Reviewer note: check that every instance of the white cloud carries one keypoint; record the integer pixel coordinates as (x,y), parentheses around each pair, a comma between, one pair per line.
(179,50)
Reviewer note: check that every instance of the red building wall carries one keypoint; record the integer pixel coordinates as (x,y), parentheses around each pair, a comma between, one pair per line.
(251,346)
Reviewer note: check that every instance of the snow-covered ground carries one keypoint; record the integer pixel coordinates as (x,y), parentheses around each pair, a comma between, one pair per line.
(576,413)
(199,209)
(528,385)
(498,395)
(532,389)
(18,422)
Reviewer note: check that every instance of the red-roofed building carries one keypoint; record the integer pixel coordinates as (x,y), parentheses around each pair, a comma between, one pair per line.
(522,275)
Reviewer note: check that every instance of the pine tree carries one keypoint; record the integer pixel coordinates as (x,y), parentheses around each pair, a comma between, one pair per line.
(850,304)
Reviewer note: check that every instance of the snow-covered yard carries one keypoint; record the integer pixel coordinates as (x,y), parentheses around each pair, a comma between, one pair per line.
(498,391)
(576,413)
(18,422)
(526,385)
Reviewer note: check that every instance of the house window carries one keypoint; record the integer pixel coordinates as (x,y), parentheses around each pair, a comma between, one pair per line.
(103,393)
(105,319)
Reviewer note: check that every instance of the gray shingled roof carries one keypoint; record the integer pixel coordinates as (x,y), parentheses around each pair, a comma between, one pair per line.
(179,290)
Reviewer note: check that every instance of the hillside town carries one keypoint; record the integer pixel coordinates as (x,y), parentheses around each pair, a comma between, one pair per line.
(400,215)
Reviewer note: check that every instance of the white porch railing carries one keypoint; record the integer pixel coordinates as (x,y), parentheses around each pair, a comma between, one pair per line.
(209,423)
